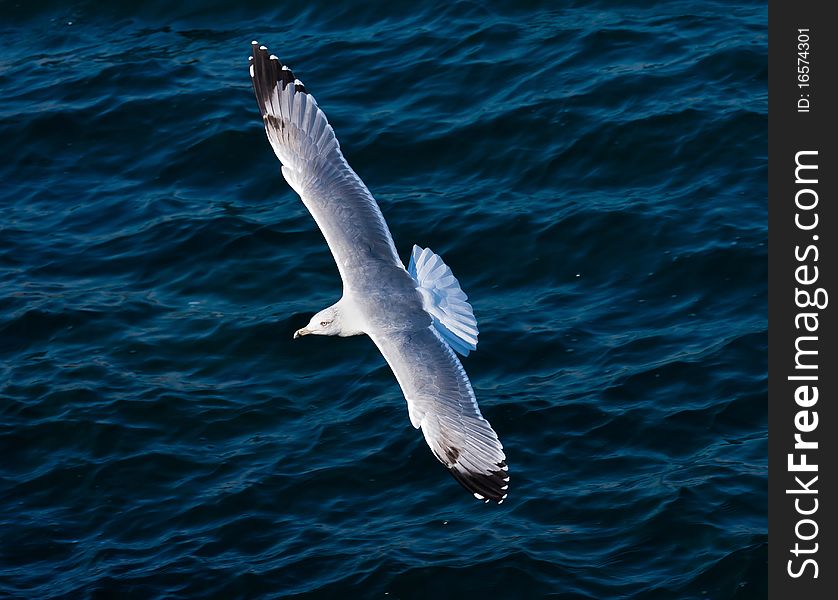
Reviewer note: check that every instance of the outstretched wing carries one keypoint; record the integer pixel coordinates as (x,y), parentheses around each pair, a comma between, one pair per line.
(441,401)
(315,168)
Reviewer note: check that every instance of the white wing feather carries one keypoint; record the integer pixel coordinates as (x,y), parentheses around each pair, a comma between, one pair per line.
(441,401)
(315,168)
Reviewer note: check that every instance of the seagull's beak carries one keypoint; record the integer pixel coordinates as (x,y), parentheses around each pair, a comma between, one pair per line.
(301,332)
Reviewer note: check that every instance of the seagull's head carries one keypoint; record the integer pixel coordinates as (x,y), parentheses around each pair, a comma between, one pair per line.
(323,323)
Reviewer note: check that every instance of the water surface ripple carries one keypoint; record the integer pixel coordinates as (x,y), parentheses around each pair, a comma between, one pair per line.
(593,172)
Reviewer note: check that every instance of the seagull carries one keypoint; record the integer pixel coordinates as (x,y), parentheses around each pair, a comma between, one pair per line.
(418,317)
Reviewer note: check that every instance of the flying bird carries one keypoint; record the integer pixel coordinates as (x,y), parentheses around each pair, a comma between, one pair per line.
(418,317)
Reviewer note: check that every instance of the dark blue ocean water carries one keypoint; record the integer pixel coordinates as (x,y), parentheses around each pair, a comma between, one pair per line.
(593,172)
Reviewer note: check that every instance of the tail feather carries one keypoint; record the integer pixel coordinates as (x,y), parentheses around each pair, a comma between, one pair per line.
(444,300)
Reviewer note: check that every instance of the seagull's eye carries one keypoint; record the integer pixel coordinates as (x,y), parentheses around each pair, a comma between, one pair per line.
(324,323)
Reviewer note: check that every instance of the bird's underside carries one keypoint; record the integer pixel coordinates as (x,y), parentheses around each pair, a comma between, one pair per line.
(417,317)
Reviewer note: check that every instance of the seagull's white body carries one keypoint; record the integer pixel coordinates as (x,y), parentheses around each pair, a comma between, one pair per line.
(417,317)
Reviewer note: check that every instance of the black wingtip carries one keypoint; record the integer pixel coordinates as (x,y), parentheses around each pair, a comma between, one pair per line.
(484,486)
(268,71)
